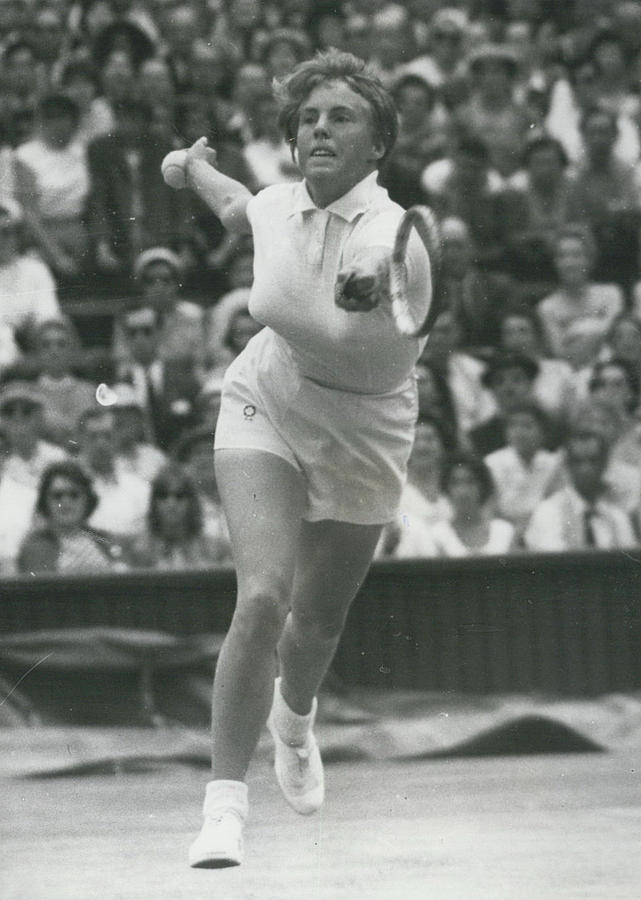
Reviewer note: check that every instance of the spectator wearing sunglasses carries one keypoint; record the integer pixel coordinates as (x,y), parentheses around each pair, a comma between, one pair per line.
(21,406)
(63,541)
(175,537)
(158,274)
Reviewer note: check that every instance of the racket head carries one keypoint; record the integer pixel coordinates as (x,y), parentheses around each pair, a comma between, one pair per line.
(414,317)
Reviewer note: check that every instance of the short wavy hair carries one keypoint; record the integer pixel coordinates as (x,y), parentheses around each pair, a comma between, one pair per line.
(477,467)
(74,473)
(334,65)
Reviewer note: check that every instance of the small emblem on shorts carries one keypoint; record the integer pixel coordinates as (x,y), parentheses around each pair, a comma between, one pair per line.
(249,411)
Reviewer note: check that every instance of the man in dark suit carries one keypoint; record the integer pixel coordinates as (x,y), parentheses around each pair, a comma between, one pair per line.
(165,388)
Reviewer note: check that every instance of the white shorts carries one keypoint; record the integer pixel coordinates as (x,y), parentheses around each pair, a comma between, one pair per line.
(351,449)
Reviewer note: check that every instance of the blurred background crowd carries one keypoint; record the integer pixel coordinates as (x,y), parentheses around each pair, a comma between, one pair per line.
(519,124)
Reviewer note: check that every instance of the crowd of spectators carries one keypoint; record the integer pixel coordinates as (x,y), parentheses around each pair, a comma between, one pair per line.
(520,125)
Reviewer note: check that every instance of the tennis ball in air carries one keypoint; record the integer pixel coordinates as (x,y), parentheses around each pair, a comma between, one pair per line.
(173,169)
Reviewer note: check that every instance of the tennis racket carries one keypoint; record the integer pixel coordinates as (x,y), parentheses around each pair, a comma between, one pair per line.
(415,316)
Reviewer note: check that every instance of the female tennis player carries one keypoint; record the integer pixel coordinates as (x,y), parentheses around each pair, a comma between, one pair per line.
(315,429)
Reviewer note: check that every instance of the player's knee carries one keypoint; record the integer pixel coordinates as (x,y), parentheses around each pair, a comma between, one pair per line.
(260,617)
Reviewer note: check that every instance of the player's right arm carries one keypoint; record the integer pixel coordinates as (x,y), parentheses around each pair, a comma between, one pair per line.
(227,197)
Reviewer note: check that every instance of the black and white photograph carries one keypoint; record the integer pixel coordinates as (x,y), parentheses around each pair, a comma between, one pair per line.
(320,449)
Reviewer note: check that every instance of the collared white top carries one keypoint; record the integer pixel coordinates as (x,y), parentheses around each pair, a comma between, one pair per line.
(299,250)
(558,523)
(521,486)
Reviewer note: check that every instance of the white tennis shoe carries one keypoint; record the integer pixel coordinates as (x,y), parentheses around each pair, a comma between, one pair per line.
(299,767)
(220,842)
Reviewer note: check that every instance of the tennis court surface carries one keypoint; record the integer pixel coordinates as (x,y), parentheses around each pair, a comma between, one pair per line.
(494,828)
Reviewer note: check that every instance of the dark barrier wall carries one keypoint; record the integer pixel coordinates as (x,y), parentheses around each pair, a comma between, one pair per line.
(560,624)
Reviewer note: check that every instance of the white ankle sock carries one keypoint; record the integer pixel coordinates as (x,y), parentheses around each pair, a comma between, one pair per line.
(292,728)
(225,795)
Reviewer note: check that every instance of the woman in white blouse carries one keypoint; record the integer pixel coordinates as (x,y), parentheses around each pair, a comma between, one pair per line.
(473,530)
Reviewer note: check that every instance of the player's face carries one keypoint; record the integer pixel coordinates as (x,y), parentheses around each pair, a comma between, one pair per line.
(336,143)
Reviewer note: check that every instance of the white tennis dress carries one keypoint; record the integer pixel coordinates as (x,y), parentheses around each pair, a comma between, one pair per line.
(331,392)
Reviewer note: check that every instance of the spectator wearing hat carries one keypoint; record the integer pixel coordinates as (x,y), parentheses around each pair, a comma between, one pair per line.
(27,288)
(165,388)
(137,454)
(510,378)
(52,184)
(194,453)
(577,296)
(492,113)
(605,196)
(158,274)
(131,207)
(122,496)
(21,407)
(578,517)
(63,542)
(65,395)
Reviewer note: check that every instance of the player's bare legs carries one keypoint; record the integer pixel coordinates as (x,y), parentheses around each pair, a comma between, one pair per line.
(263,500)
(334,558)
